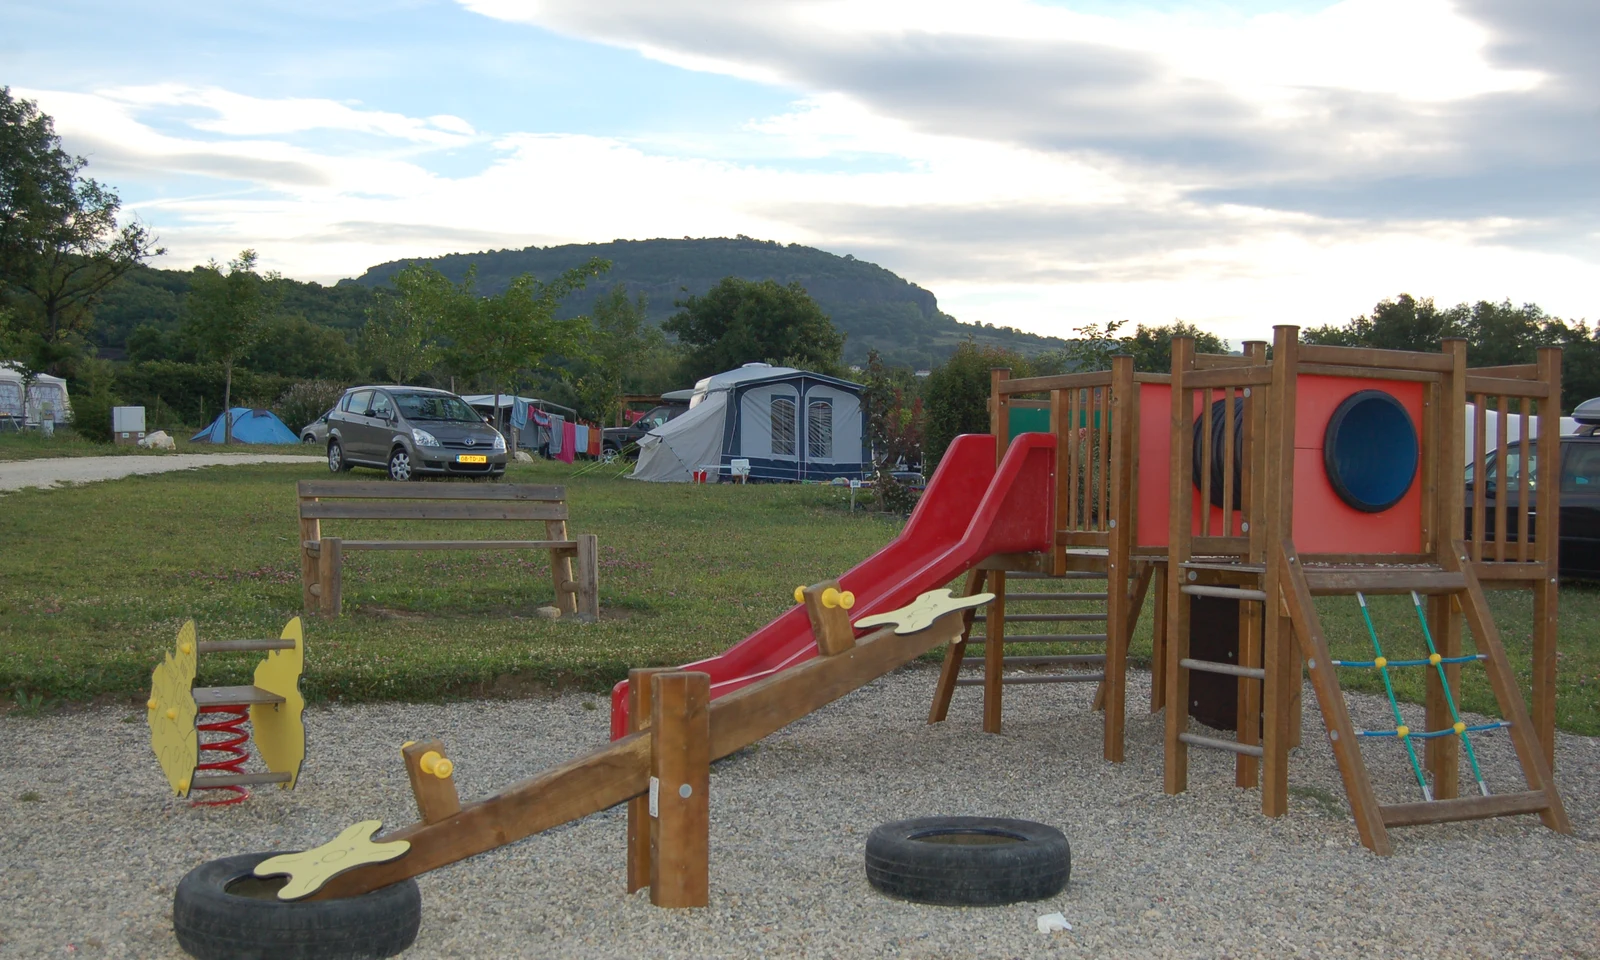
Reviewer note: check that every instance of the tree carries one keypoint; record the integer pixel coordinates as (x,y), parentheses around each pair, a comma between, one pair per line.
(894,429)
(622,347)
(60,245)
(1404,323)
(226,314)
(496,337)
(743,321)
(403,324)
(958,395)
(1150,347)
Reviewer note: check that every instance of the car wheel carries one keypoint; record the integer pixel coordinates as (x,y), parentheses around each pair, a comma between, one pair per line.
(222,910)
(400,465)
(336,461)
(307,438)
(968,861)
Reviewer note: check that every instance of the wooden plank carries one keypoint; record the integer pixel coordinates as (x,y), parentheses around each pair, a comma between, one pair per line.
(1524,481)
(385,490)
(1158,638)
(1515,371)
(1335,713)
(1082,538)
(330,576)
(953,654)
(1502,387)
(1072,520)
(1015,562)
(587,575)
(233,696)
(1211,361)
(640,703)
(1180,524)
(1366,373)
(242,646)
(570,545)
(1500,531)
(433,510)
(1237,376)
(1546,596)
(1205,546)
(1464,808)
(566,589)
(310,532)
(1368,357)
(1066,381)
(994,651)
(680,786)
(1157,378)
(1442,755)
(1530,751)
(1125,582)
(1401,580)
(1207,452)
(999,413)
(1280,690)
(1480,438)
(436,796)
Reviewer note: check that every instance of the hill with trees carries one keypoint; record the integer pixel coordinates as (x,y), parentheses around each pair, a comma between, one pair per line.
(875,308)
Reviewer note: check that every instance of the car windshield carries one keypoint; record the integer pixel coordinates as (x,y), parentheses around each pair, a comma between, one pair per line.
(435,406)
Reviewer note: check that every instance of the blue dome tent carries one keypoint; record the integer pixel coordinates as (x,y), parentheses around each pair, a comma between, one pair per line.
(248,426)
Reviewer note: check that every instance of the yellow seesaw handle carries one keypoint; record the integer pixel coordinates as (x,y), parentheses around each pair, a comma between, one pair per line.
(433,763)
(842,599)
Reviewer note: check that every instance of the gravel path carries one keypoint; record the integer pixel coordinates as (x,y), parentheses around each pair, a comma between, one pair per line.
(16,474)
(91,848)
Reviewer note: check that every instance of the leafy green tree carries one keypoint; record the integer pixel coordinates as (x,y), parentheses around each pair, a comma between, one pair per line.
(1404,323)
(895,430)
(494,338)
(226,314)
(403,324)
(1151,347)
(292,346)
(742,321)
(958,395)
(624,350)
(60,244)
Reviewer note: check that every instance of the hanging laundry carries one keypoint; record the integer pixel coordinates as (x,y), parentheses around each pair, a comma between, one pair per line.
(569,442)
(594,441)
(519,413)
(580,438)
(556,435)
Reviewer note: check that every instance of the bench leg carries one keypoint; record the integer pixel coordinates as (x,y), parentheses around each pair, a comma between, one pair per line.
(561,570)
(331,576)
(588,576)
(310,532)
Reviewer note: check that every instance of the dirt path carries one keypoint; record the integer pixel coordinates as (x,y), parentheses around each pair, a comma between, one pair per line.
(16,474)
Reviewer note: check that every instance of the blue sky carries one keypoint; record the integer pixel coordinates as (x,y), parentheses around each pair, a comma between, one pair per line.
(1043,165)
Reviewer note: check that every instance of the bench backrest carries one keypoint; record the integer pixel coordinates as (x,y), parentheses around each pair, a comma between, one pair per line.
(336,500)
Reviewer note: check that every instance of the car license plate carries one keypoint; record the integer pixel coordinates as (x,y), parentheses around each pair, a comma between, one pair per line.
(472,458)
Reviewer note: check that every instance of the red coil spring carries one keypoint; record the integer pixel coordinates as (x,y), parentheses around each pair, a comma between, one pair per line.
(230,745)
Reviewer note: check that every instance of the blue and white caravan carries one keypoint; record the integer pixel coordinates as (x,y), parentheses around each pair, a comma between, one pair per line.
(787,424)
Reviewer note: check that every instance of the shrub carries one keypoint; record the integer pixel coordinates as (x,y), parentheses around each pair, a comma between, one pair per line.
(305,401)
(958,396)
(92,402)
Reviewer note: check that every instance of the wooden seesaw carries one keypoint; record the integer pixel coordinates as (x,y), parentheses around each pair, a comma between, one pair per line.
(664,766)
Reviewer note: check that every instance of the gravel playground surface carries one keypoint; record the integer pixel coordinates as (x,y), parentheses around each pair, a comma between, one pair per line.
(17,474)
(91,846)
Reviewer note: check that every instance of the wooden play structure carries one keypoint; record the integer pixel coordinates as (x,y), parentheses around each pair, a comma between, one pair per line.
(272,704)
(574,562)
(1258,482)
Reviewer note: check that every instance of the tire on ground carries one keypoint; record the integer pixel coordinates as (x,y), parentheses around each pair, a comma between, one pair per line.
(213,923)
(968,861)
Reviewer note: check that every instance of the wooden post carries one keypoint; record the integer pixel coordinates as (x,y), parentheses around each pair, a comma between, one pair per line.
(1120,613)
(1158,638)
(1279,656)
(680,784)
(436,796)
(561,569)
(330,576)
(1252,499)
(310,531)
(994,652)
(1547,539)
(950,671)
(588,576)
(999,412)
(1448,524)
(830,625)
(640,704)
(1059,422)
(1180,531)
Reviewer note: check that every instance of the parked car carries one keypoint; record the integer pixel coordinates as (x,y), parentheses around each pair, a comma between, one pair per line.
(412,431)
(1579,554)
(615,440)
(317,430)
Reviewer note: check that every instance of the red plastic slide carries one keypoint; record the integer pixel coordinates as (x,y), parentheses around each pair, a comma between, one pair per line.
(969,511)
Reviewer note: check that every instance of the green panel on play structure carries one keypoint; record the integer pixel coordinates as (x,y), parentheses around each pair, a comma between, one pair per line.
(1031,420)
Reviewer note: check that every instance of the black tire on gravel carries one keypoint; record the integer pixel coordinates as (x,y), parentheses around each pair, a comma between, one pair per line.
(968,861)
(222,912)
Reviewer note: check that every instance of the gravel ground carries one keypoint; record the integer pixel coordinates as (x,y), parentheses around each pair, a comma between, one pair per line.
(16,474)
(91,847)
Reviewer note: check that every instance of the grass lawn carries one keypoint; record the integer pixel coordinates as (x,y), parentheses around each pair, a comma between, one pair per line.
(96,579)
(32,445)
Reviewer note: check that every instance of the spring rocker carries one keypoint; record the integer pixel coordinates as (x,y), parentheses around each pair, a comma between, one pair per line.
(272,704)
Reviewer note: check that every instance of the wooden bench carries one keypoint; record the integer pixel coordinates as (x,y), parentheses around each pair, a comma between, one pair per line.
(322,558)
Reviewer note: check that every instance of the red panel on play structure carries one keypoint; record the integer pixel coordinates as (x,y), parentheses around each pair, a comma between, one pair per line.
(1323,523)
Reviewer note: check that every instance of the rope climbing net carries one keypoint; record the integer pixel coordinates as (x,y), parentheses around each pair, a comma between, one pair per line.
(1404,733)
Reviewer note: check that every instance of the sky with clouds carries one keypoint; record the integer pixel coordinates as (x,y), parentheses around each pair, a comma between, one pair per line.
(1044,165)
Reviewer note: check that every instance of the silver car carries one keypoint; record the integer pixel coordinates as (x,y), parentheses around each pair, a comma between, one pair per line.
(316,431)
(410,432)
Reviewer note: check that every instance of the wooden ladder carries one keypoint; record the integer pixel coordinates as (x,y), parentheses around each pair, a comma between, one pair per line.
(1454,577)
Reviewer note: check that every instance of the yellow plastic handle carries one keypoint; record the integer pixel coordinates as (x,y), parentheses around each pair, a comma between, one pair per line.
(433,763)
(843,599)
(403,746)
(799,594)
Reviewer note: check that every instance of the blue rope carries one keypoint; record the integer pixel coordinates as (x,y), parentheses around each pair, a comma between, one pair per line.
(1406,663)
(1446,732)
(1444,684)
(1394,705)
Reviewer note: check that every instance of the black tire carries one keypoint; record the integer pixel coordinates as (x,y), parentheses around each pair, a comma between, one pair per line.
(214,924)
(336,461)
(400,466)
(968,861)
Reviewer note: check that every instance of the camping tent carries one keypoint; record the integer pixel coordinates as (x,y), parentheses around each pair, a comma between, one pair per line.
(47,395)
(248,426)
(789,424)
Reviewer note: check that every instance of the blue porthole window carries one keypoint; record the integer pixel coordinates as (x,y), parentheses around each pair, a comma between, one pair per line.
(1370,451)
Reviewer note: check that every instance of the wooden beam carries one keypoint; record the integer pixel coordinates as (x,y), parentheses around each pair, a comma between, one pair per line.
(1381,360)
(950,670)
(384,490)
(994,652)
(479,509)
(1464,808)
(330,576)
(830,626)
(680,787)
(640,705)
(587,575)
